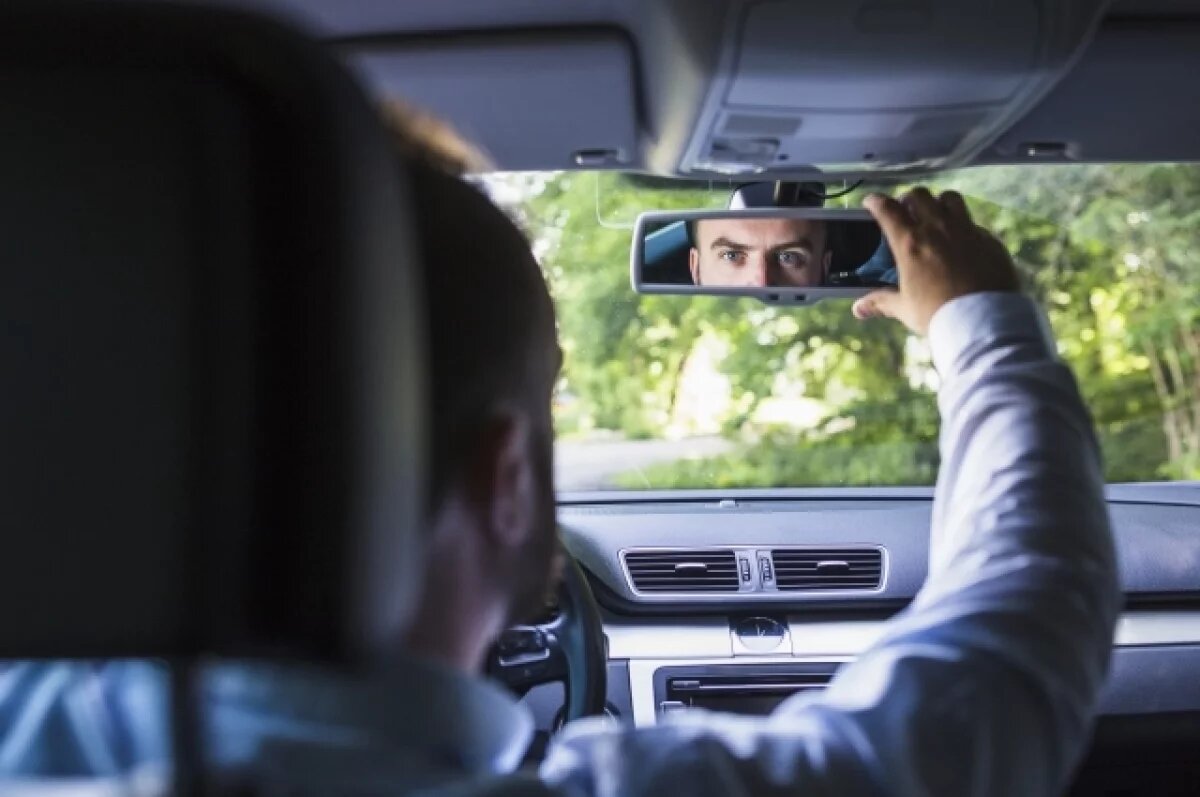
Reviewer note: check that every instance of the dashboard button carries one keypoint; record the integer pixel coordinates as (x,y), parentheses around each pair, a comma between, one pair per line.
(516,641)
(744,565)
(766,570)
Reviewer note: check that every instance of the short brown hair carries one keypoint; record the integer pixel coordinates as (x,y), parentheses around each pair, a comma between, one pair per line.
(488,312)
(421,136)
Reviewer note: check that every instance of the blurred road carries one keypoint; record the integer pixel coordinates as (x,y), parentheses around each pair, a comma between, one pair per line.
(592,464)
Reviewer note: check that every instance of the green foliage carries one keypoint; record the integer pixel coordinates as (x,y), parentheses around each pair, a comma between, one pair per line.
(1111,252)
(890,444)
(622,351)
(788,461)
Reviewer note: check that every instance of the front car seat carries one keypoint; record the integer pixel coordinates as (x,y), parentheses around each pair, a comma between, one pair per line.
(211,345)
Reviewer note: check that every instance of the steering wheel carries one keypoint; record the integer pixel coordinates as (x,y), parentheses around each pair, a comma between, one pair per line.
(570,648)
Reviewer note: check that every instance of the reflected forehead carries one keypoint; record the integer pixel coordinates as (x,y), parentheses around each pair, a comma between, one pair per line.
(753,230)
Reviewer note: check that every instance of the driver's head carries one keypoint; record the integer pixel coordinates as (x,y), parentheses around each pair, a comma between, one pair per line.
(759,253)
(494,359)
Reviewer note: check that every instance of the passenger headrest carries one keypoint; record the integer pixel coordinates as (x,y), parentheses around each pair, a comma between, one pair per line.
(210,341)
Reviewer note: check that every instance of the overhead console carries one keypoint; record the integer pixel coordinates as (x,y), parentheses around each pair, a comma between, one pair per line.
(893,86)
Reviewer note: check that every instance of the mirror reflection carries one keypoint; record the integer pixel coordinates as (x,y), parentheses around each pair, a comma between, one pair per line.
(785,251)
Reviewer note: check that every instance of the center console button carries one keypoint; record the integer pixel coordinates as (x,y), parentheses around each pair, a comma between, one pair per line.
(765,569)
(744,566)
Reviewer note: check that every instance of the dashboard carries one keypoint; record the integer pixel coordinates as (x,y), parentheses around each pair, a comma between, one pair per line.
(734,601)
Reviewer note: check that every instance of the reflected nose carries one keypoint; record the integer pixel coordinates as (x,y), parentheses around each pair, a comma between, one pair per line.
(756,272)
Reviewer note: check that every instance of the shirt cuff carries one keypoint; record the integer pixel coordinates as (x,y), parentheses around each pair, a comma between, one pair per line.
(981,319)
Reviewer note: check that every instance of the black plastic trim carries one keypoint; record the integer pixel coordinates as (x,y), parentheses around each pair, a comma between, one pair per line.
(1158,493)
(1142,755)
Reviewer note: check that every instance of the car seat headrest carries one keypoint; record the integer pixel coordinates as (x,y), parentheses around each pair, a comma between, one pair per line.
(212,342)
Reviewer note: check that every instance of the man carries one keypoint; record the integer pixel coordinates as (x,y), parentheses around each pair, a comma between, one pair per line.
(758,253)
(984,686)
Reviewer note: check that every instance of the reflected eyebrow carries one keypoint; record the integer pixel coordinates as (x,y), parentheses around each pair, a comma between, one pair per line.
(799,243)
(725,243)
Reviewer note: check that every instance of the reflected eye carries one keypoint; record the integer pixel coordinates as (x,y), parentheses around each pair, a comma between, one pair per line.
(792,258)
(731,256)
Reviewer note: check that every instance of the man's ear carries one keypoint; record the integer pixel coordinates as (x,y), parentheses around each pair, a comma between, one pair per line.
(827,262)
(504,488)
(694,265)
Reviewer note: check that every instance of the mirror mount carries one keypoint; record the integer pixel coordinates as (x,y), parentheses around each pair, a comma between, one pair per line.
(778,194)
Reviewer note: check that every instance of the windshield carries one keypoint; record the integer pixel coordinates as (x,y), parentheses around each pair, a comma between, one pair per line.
(662,392)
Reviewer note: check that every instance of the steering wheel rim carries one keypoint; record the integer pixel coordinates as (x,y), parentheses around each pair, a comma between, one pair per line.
(570,648)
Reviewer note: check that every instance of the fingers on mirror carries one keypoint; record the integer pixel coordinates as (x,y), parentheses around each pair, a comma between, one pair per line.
(893,217)
(955,206)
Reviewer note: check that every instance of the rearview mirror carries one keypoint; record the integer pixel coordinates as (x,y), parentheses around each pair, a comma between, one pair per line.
(787,255)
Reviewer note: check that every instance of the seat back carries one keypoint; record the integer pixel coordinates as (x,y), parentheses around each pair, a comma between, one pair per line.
(210,343)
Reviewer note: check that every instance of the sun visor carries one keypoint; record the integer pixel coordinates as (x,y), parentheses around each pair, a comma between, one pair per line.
(1128,99)
(532,100)
(865,87)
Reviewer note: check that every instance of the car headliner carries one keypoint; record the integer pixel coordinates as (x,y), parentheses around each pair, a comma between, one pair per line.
(437,54)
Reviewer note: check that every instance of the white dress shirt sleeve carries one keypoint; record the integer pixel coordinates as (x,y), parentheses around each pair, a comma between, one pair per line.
(987,683)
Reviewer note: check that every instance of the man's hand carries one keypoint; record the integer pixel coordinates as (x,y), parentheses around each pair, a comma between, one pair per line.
(940,253)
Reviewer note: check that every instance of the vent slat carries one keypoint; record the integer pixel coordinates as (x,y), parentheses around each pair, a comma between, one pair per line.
(803,570)
(862,564)
(865,585)
(673,559)
(815,559)
(847,557)
(664,582)
(687,586)
(799,570)
(681,579)
(816,582)
(814,572)
(704,570)
(686,562)
(681,552)
(684,576)
(672,565)
(674,562)
(849,563)
(814,565)
(676,589)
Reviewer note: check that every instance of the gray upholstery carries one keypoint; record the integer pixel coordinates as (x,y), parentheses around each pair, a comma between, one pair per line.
(210,349)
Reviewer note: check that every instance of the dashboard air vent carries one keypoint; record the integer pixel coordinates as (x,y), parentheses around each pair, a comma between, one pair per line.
(700,570)
(812,569)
